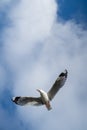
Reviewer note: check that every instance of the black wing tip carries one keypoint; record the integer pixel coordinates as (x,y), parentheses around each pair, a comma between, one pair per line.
(65,73)
(15,99)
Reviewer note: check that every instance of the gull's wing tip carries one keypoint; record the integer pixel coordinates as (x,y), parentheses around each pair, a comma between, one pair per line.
(65,73)
(13,99)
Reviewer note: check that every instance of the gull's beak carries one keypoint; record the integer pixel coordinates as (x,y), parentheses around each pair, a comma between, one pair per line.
(38,90)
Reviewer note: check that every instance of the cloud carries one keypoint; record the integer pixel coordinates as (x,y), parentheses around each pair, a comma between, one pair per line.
(59,52)
(2,78)
(36,49)
(10,121)
(4,3)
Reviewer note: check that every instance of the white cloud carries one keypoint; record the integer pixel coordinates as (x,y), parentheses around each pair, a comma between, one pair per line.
(32,22)
(37,49)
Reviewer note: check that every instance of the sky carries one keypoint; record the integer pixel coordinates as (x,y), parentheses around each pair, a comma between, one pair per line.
(38,40)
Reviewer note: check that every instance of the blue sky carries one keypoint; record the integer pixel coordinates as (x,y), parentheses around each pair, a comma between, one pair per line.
(73,10)
(38,40)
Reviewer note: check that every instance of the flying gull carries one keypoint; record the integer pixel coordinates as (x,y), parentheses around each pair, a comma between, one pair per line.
(44,98)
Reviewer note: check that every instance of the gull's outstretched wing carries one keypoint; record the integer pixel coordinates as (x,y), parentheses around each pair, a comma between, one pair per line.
(58,84)
(27,101)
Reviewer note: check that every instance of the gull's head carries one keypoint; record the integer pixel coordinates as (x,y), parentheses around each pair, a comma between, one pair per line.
(40,91)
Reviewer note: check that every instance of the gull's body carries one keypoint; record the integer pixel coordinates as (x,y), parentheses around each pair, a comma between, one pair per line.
(44,98)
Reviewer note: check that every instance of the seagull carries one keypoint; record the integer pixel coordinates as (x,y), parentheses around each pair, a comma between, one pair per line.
(44,98)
